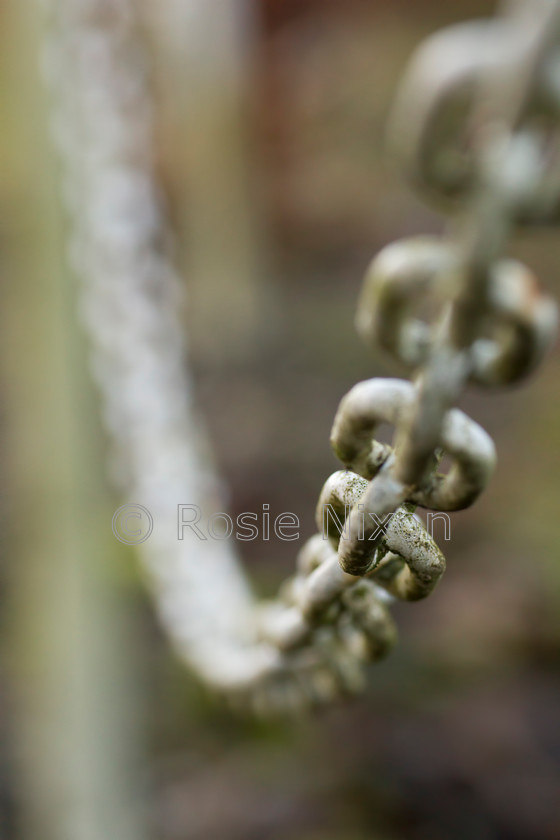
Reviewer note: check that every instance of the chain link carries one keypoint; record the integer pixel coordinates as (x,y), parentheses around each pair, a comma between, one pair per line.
(476,126)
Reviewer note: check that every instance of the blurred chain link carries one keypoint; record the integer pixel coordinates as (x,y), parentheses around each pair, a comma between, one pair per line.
(476,126)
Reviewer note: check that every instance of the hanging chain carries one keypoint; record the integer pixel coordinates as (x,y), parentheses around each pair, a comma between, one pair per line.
(476,125)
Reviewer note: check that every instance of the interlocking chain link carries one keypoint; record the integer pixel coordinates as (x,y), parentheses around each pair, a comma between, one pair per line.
(476,125)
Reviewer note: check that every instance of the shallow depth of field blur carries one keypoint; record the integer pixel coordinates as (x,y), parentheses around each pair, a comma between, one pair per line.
(278,200)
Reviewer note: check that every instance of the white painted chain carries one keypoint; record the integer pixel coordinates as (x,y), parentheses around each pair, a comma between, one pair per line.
(476,124)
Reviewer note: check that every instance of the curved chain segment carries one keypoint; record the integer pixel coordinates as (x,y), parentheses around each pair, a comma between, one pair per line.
(473,124)
(416,272)
(456,82)
(407,562)
(390,401)
(523,321)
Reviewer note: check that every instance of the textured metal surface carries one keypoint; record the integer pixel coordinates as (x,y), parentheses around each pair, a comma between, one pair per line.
(473,124)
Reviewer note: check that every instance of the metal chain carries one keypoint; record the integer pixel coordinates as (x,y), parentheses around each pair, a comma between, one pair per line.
(475,124)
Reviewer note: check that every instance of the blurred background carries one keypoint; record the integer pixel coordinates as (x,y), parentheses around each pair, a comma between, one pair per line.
(270,143)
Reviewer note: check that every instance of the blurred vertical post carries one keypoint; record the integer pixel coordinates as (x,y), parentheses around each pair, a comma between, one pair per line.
(206,51)
(75,705)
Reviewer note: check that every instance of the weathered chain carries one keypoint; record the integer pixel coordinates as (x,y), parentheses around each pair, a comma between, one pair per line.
(476,124)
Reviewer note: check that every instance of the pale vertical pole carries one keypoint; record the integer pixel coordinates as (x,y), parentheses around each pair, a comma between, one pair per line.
(71,646)
(207,53)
